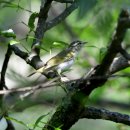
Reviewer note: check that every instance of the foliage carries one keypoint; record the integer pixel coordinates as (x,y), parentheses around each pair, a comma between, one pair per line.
(94,21)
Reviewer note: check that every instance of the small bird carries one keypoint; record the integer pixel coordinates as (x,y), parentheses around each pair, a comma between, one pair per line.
(62,60)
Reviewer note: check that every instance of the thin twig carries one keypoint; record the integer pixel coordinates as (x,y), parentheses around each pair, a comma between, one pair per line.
(26,89)
(51,84)
(64,1)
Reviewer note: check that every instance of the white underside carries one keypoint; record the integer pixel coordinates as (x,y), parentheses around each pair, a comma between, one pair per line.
(65,65)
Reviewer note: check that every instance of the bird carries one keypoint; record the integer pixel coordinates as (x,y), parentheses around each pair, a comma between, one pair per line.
(63,60)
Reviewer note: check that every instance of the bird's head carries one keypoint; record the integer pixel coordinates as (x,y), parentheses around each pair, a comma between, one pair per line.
(76,45)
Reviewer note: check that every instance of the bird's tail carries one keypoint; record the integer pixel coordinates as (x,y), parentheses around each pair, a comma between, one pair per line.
(40,70)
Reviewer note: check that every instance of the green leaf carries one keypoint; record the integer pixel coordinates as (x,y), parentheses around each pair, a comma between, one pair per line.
(17,121)
(56,43)
(85,6)
(93,46)
(11,5)
(59,44)
(103,51)
(8,4)
(39,120)
(8,33)
(32,20)
(57,129)
(12,42)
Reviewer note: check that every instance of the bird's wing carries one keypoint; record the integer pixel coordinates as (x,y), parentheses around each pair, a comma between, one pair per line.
(63,56)
(54,62)
(40,70)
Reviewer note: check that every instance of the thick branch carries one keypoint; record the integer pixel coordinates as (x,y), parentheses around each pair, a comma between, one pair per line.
(43,14)
(19,53)
(94,113)
(112,51)
(61,17)
(115,45)
(119,63)
(4,68)
(72,106)
(35,61)
(3,85)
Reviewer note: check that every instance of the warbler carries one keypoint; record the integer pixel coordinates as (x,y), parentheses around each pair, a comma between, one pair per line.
(62,60)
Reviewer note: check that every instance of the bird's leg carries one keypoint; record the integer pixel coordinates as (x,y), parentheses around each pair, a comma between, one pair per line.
(62,77)
(62,80)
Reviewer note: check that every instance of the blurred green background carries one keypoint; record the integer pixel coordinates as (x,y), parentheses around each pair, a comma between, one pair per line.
(95,22)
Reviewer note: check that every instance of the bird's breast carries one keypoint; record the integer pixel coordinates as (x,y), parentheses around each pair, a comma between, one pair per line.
(65,65)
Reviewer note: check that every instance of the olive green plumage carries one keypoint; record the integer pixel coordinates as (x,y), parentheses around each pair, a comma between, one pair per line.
(62,60)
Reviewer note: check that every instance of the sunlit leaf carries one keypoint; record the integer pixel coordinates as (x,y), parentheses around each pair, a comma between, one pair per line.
(12,42)
(59,44)
(8,33)
(57,129)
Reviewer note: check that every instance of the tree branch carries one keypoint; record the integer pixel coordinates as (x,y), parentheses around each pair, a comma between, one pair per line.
(72,106)
(61,17)
(3,84)
(115,45)
(95,113)
(34,61)
(64,1)
(19,53)
(4,68)
(119,63)
(34,88)
(43,14)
